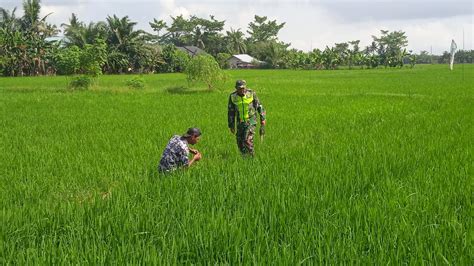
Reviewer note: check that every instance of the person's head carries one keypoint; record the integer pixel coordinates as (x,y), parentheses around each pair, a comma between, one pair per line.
(193,135)
(241,86)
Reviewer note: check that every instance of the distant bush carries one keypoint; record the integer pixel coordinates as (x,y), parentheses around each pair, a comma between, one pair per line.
(205,69)
(80,82)
(68,60)
(136,83)
(222,59)
(173,60)
(88,60)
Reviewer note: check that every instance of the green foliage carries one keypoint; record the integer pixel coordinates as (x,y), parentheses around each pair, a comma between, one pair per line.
(412,60)
(235,42)
(82,82)
(261,30)
(174,60)
(390,47)
(271,52)
(23,44)
(204,68)
(68,60)
(93,58)
(3,64)
(136,82)
(295,59)
(88,61)
(330,58)
(196,31)
(222,59)
(116,46)
(464,56)
(117,62)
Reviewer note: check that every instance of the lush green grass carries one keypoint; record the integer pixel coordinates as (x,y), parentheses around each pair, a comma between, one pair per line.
(364,166)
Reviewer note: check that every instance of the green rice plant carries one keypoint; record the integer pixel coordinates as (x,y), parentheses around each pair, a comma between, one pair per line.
(357,167)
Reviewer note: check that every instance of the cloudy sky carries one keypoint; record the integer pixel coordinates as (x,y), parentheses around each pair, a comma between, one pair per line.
(429,24)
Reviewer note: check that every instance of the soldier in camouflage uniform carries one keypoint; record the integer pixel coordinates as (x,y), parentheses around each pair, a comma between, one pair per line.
(242,110)
(177,151)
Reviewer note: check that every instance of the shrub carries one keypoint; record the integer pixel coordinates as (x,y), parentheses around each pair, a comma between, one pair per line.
(68,60)
(136,83)
(222,59)
(80,82)
(173,60)
(204,68)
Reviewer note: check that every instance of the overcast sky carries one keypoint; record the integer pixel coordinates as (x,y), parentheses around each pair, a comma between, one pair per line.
(309,23)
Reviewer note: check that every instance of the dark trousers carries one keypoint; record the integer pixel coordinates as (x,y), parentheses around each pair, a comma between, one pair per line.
(245,134)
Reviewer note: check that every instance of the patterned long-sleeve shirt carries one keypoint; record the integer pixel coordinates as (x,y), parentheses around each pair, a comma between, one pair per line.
(244,109)
(175,155)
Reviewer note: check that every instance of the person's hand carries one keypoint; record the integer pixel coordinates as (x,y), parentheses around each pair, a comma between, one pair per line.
(263,122)
(232,130)
(193,151)
(197,156)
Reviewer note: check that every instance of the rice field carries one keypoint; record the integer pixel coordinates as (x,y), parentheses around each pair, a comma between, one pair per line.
(357,167)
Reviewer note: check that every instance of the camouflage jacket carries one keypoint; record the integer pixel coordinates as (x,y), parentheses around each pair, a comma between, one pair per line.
(175,154)
(244,109)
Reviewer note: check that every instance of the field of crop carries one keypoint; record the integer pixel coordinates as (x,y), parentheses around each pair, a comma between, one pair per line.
(361,166)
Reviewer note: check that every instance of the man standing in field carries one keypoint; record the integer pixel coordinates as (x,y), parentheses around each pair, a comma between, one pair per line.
(242,110)
(177,151)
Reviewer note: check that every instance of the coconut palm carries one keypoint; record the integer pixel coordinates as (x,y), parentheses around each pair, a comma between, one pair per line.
(126,46)
(235,42)
(78,34)
(8,20)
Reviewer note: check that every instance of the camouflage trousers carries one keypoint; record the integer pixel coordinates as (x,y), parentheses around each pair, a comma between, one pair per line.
(245,134)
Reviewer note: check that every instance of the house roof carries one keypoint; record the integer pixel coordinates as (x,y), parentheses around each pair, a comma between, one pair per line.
(245,58)
(191,50)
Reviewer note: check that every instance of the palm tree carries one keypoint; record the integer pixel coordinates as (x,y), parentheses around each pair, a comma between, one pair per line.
(8,20)
(78,34)
(24,40)
(159,25)
(236,42)
(74,32)
(121,32)
(125,44)
(31,22)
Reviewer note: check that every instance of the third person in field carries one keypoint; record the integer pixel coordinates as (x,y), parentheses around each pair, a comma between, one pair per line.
(242,112)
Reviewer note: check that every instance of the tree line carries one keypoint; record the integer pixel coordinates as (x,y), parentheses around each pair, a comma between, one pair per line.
(28,46)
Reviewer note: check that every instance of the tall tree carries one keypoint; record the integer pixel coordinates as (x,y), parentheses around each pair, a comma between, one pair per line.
(126,46)
(24,44)
(235,42)
(271,52)
(8,20)
(342,50)
(390,45)
(78,34)
(158,26)
(354,55)
(196,31)
(262,30)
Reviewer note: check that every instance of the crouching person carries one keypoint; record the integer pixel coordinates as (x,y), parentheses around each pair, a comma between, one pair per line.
(176,153)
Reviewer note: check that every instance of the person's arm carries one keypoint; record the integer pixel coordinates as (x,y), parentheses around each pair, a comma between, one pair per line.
(196,157)
(231,115)
(183,157)
(259,107)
